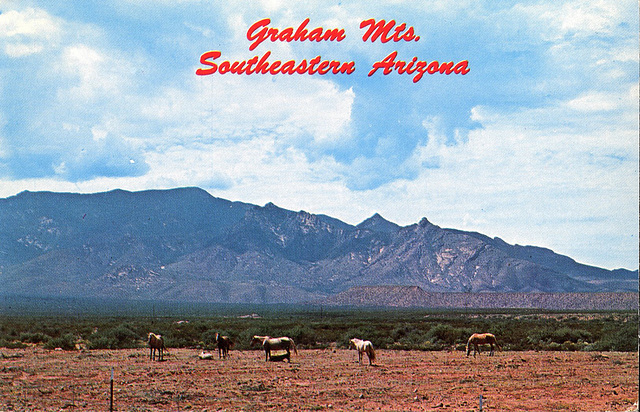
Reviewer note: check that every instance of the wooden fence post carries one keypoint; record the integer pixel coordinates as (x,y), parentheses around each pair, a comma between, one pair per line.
(111,397)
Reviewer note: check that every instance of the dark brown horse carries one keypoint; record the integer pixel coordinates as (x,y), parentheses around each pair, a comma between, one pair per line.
(481,339)
(224,344)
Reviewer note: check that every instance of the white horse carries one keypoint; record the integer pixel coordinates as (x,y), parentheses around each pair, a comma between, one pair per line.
(156,343)
(363,346)
(480,339)
(275,344)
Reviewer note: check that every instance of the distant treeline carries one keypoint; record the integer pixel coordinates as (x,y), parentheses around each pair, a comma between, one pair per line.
(320,327)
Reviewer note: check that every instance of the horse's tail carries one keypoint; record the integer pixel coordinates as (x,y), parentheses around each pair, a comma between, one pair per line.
(294,346)
(468,345)
(371,353)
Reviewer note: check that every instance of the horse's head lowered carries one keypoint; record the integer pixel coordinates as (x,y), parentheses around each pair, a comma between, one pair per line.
(258,339)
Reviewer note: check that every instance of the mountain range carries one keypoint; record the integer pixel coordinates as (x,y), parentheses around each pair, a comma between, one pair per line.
(184,244)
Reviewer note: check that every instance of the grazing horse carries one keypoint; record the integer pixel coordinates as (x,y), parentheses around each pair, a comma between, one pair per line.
(363,346)
(480,339)
(156,342)
(275,344)
(280,358)
(224,344)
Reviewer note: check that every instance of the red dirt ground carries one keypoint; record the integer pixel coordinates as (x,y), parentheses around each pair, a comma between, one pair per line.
(35,379)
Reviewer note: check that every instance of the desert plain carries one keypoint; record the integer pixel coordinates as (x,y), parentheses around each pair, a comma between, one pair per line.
(36,379)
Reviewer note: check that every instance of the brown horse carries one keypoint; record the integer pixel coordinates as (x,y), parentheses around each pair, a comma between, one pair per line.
(275,344)
(156,343)
(480,339)
(224,344)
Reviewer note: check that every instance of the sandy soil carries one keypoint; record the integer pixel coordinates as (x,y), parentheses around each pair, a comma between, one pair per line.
(35,379)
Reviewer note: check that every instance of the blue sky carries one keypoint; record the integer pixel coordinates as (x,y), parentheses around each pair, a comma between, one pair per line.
(537,144)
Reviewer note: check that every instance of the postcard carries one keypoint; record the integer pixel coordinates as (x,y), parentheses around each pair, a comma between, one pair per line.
(449,155)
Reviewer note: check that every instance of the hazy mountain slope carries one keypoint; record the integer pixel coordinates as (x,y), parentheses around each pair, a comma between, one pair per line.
(187,244)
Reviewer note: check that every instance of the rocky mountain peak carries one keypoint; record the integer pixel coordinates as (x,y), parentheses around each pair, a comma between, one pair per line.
(377,223)
(424,222)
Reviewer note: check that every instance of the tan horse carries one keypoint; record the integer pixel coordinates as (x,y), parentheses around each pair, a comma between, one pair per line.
(224,344)
(275,344)
(481,339)
(156,343)
(363,346)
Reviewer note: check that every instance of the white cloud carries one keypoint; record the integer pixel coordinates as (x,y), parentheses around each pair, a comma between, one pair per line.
(27,32)
(595,102)
(93,74)
(587,17)
(21,49)
(231,107)
(577,19)
(30,22)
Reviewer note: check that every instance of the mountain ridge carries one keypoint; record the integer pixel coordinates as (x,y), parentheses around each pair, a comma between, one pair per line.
(185,243)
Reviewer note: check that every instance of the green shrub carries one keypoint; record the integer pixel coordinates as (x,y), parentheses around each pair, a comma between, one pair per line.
(567,334)
(120,337)
(622,339)
(303,335)
(401,331)
(34,337)
(65,342)
(564,338)
(12,344)
(445,334)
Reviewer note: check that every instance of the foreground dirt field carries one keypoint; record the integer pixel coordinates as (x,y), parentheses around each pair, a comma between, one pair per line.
(35,379)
